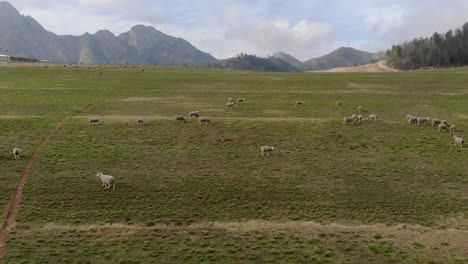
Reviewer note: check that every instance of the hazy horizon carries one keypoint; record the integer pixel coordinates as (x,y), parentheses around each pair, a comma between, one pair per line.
(303,29)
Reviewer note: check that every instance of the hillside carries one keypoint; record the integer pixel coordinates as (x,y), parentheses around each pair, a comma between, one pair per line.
(254,63)
(444,50)
(341,57)
(24,36)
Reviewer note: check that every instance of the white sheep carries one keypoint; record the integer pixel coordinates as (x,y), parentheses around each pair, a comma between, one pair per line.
(441,127)
(412,119)
(444,122)
(422,120)
(180,118)
(204,120)
(458,141)
(194,113)
(359,109)
(231,100)
(94,120)
(349,120)
(435,122)
(299,103)
(229,105)
(359,118)
(240,100)
(106,180)
(373,117)
(338,104)
(140,121)
(267,150)
(452,128)
(17,153)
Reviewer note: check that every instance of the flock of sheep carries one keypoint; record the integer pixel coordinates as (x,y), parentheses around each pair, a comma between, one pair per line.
(442,125)
(356,118)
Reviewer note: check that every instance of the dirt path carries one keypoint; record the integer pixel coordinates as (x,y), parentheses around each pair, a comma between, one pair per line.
(379,66)
(13,205)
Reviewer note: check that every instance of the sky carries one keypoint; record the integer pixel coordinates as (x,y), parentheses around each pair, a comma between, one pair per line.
(225,28)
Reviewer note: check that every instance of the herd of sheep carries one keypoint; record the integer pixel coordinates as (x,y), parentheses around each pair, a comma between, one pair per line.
(442,125)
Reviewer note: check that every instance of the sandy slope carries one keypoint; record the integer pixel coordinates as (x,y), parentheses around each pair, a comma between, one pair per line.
(379,66)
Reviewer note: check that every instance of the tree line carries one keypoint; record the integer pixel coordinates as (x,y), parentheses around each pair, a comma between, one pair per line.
(440,50)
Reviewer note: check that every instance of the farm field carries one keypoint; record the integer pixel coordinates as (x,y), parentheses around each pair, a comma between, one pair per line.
(376,192)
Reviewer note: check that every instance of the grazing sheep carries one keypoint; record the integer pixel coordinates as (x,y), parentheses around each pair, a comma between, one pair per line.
(441,127)
(458,141)
(231,100)
(373,117)
(412,119)
(106,180)
(422,120)
(299,103)
(140,121)
(444,122)
(194,113)
(350,120)
(17,153)
(452,128)
(229,105)
(240,100)
(204,120)
(435,122)
(359,109)
(359,118)
(180,118)
(338,104)
(267,150)
(94,120)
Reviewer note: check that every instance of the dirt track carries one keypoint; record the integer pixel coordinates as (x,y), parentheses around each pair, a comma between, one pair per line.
(13,205)
(379,66)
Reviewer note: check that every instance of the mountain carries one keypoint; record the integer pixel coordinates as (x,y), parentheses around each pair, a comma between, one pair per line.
(253,63)
(24,36)
(342,57)
(289,59)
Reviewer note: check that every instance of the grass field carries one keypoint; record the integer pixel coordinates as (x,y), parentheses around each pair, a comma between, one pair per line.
(383,192)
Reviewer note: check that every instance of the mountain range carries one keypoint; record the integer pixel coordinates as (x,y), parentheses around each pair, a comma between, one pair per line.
(24,36)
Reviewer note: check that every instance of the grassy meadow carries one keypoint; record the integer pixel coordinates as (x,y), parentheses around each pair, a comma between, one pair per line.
(377,192)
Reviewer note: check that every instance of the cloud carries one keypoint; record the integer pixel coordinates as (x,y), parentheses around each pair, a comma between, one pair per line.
(300,38)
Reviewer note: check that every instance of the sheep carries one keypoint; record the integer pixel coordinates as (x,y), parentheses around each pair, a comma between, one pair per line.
(204,120)
(458,141)
(180,118)
(299,103)
(229,105)
(106,180)
(267,150)
(441,127)
(338,104)
(350,120)
(94,120)
(140,121)
(230,100)
(240,100)
(373,117)
(422,120)
(435,122)
(194,113)
(412,119)
(359,118)
(452,129)
(359,109)
(444,122)
(17,153)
